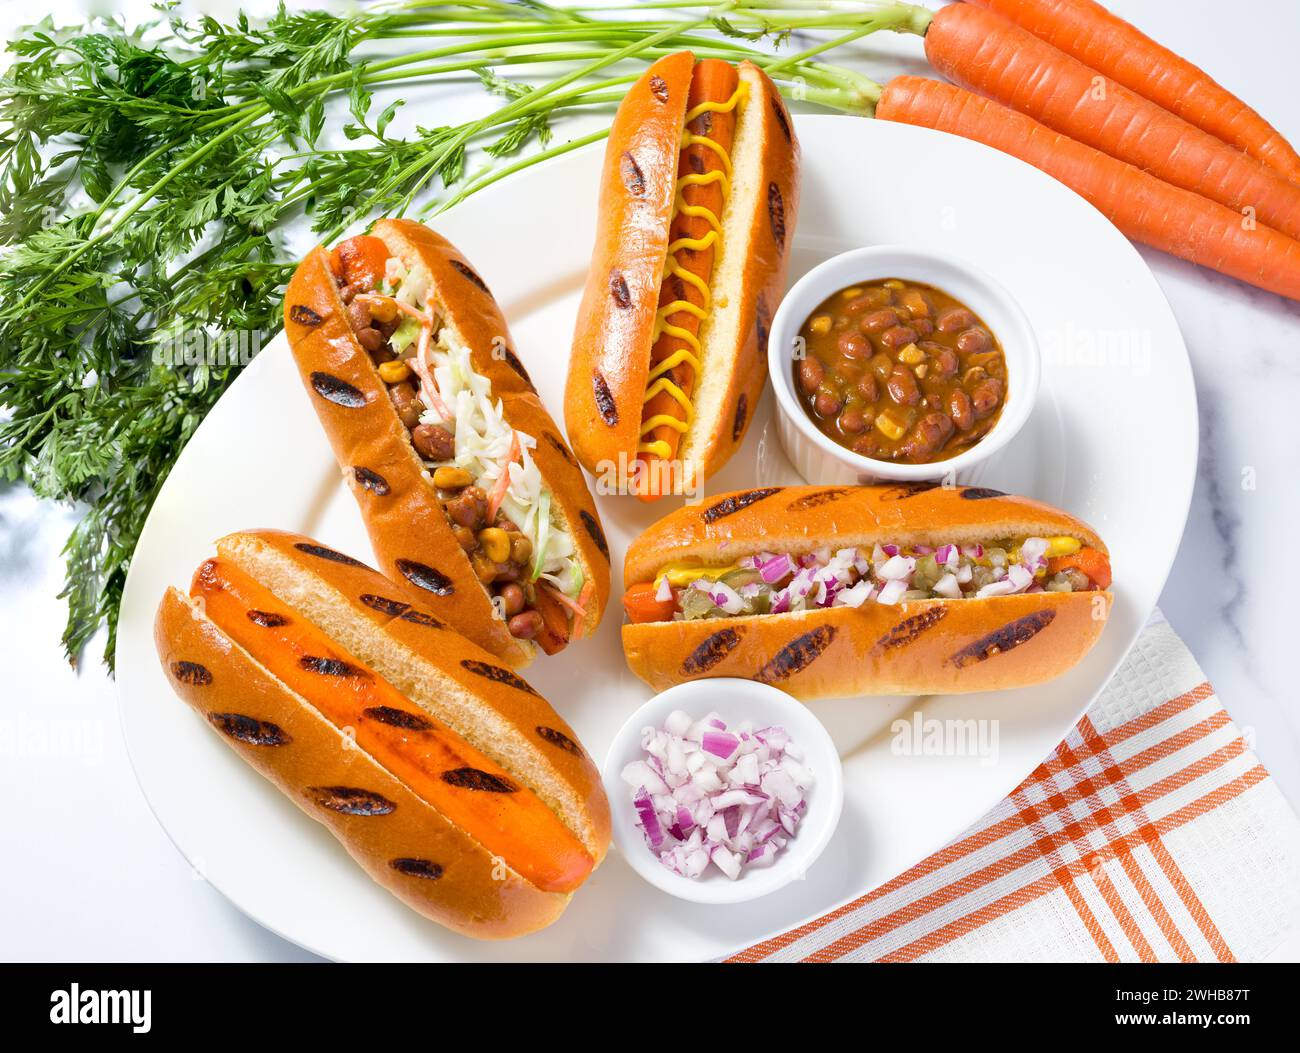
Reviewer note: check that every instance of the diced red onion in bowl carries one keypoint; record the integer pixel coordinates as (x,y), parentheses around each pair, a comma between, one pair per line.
(708,794)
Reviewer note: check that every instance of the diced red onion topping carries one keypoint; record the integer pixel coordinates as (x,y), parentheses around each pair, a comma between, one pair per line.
(706,794)
(854,595)
(948,587)
(896,568)
(722,595)
(848,577)
(1033,553)
(774,569)
(891,592)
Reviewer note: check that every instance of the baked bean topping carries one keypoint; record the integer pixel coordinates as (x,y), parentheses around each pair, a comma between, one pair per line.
(432,442)
(900,371)
(498,551)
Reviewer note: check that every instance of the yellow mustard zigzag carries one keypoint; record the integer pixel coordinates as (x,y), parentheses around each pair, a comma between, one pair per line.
(658,382)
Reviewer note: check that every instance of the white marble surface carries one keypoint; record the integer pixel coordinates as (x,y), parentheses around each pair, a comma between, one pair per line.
(88,873)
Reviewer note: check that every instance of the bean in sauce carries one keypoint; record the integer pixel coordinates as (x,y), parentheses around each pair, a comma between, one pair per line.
(900,371)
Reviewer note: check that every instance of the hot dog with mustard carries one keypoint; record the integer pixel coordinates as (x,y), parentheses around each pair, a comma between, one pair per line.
(698,201)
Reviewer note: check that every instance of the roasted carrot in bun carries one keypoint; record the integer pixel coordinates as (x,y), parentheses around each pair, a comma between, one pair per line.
(865,590)
(697,206)
(445,775)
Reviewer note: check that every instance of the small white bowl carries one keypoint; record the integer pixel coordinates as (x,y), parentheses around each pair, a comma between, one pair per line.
(734,700)
(817,457)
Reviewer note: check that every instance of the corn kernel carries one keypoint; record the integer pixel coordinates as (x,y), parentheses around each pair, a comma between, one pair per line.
(394,372)
(850,294)
(921,370)
(821,325)
(911,355)
(382,308)
(451,478)
(888,427)
(496,544)
(894,283)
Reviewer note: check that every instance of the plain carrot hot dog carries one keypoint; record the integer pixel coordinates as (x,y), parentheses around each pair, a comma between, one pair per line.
(443,773)
(698,202)
(506,819)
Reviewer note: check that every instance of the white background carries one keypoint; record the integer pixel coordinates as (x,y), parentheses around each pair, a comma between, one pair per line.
(87,873)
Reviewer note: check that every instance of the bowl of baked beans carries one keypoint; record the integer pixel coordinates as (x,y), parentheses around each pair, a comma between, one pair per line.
(899,364)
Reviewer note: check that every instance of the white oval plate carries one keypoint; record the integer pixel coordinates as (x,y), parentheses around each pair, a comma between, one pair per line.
(1113,440)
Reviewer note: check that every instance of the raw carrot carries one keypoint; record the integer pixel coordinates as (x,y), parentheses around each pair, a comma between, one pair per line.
(1088,32)
(1142,206)
(581,608)
(982,51)
(503,480)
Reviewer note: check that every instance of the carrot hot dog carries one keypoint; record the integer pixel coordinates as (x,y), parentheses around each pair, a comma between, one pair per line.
(698,201)
(703,178)
(444,774)
(473,501)
(865,590)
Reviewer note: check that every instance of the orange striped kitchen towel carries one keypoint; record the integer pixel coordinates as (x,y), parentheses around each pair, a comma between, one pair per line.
(1152,833)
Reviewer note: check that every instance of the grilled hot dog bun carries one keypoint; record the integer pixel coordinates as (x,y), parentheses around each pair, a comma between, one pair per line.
(412,536)
(926,646)
(632,274)
(445,775)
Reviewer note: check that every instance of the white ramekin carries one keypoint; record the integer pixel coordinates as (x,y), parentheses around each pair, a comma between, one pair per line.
(734,700)
(817,457)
